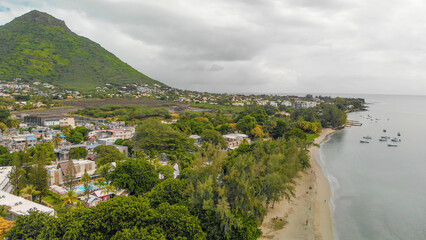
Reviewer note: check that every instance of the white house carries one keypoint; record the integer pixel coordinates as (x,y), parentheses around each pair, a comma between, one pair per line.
(22,206)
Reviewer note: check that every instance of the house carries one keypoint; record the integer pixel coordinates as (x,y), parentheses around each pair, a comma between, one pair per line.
(273,104)
(67,121)
(102,195)
(120,133)
(63,153)
(22,206)
(21,141)
(284,113)
(59,172)
(4,179)
(234,140)
(286,103)
(304,104)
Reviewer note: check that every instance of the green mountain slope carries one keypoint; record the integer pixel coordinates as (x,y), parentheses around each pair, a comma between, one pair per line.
(37,46)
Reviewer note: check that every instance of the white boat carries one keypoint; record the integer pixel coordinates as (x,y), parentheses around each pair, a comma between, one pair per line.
(367,137)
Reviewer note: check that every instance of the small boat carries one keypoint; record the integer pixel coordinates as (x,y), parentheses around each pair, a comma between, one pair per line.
(396,140)
(399,134)
(363,141)
(384,130)
(392,145)
(383,139)
(367,137)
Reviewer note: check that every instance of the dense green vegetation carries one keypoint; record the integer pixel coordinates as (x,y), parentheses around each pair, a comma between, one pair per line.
(119,218)
(130,114)
(29,175)
(218,195)
(37,46)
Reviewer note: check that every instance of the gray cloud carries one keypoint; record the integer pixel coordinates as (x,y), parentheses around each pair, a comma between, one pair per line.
(257,46)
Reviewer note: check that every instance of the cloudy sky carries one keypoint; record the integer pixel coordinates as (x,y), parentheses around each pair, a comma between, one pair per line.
(253,46)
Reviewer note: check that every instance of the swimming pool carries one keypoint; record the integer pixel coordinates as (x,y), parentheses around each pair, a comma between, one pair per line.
(80,188)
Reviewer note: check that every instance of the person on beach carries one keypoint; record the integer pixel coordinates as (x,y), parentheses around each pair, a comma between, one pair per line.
(307,222)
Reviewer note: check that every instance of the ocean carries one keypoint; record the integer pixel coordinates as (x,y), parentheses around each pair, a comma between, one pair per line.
(379,192)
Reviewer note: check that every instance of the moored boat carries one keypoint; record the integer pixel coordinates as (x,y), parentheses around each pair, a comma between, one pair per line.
(392,145)
(363,141)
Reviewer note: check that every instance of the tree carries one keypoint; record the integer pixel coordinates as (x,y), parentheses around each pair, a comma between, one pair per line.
(78,153)
(332,116)
(28,226)
(108,189)
(3,150)
(4,211)
(4,115)
(172,191)
(104,171)
(17,176)
(278,128)
(246,124)
(257,132)
(296,132)
(213,137)
(107,154)
(136,175)
(152,135)
(57,140)
(75,137)
(176,220)
(5,226)
(85,180)
(100,182)
(30,190)
(3,126)
(69,199)
(39,175)
(165,170)
(70,174)
(150,233)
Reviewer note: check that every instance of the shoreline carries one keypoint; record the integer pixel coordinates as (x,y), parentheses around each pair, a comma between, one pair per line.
(311,204)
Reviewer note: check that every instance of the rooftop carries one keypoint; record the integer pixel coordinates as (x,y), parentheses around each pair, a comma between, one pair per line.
(22,206)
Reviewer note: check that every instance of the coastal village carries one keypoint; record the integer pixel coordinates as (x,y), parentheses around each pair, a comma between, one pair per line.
(98,150)
(35,129)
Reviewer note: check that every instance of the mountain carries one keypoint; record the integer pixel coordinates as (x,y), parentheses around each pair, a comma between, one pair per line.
(39,47)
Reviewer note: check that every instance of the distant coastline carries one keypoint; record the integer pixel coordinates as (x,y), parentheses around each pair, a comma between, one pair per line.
(308,215)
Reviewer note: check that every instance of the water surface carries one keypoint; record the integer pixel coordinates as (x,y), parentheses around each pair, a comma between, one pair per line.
(379,192)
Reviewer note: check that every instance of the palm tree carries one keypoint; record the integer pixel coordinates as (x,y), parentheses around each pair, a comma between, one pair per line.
(80,204)
(85,179)
(100,182)
(4,211)
(30,190)
(14,123)
(66,131)
(70,198)
(57,140)
(104,171)
(109,189)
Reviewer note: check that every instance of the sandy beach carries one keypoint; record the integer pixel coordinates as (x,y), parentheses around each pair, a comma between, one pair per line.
(308,215)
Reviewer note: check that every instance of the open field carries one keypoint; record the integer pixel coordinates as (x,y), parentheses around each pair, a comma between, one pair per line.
(102,102)
(74,105)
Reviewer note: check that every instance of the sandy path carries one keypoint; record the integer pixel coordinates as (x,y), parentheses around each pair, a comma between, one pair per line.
(308,206)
